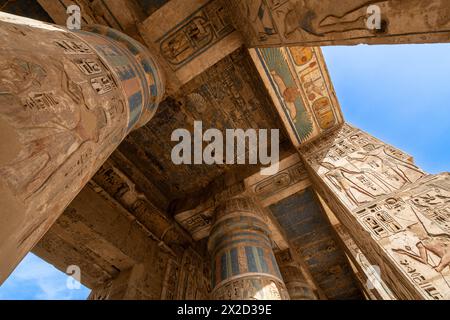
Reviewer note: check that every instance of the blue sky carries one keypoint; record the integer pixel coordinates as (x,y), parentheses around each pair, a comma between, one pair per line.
(399,94)
(35,279)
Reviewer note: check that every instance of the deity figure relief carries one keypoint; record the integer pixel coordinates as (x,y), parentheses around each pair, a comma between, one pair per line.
(430,241)
(51,127)
(357,186)
(259,15)
(326,17)
(290,94)
(393,172)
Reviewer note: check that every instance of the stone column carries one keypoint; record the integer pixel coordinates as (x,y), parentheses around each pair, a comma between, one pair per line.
(296,283)
(398,216)
(67,99)
(244,266)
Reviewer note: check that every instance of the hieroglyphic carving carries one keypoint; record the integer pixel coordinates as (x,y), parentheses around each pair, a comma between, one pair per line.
(299,84)
(291,178)
(103,84)
(202,29)
(57,128)
(74,47)
(89,66)
(252,288)
(360,168)
(376,190)
(310,22)
(170,281)
(198,224)
(367,274)
(194,277)
(187,279)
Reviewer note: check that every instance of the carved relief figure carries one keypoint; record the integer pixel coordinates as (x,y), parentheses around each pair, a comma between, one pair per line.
(260,18)
(290,94)
(430,241)
(57,129)
(320,19)
(355,185)
(392,171)
(285,84)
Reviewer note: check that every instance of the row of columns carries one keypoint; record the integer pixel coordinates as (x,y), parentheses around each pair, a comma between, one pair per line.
(69,98)
(244,266)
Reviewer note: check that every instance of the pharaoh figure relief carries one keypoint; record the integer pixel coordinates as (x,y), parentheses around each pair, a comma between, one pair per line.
(51,128)
(320,19)
(400,216)
(432,213)
(297,21)
(360,168)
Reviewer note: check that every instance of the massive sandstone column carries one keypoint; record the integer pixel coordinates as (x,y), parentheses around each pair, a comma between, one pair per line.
(67,99)
(398,216)
(244,266)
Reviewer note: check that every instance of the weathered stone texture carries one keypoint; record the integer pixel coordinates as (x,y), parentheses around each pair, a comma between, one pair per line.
(398,215)
(274,23)
(60,119)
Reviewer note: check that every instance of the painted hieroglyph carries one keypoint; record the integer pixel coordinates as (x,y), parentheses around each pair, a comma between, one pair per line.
(299,84)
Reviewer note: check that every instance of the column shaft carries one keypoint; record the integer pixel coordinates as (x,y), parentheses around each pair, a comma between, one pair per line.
(298,286)
(244,266)
(67,99)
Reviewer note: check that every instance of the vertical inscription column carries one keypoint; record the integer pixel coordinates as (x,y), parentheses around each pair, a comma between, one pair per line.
(66,102)
(244,266)
(397,215)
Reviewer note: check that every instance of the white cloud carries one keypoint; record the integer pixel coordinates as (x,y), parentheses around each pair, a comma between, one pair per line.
(35,279)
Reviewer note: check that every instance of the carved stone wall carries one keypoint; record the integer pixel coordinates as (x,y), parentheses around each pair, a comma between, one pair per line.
(274,23)
(161,277)
(398,216)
